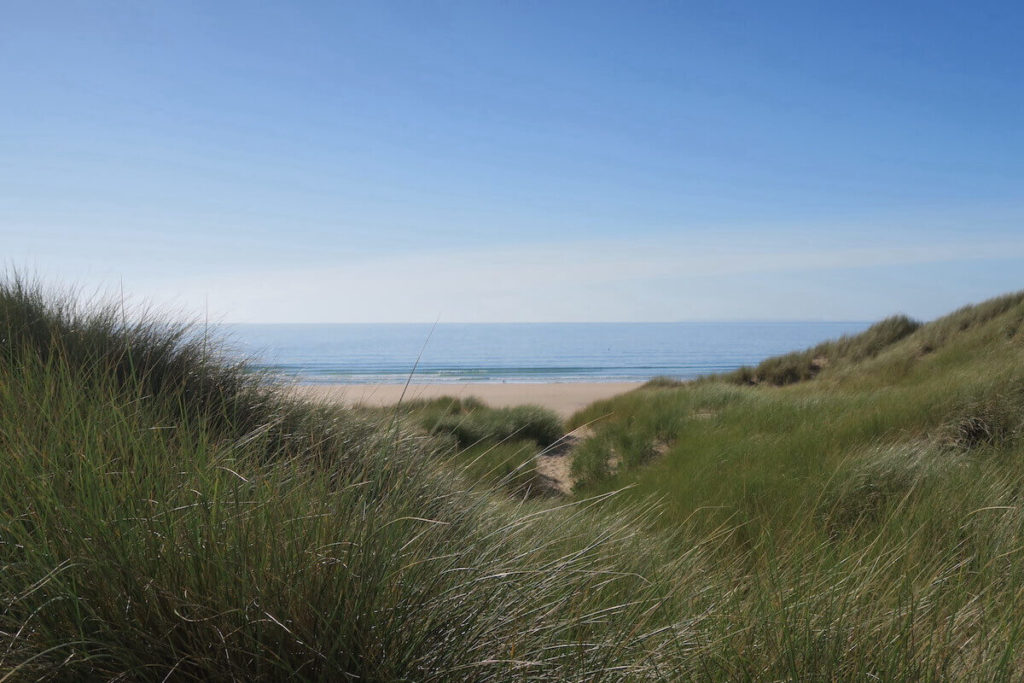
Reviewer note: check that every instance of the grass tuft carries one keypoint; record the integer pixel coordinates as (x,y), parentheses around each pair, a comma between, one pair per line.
(801,366)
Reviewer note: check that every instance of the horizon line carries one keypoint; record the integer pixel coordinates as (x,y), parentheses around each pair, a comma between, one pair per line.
(732,321)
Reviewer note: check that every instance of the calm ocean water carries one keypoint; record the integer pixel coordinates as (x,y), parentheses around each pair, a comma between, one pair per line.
(515,352)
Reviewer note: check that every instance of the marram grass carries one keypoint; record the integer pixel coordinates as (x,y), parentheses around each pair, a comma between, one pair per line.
(168,515)
(877,504)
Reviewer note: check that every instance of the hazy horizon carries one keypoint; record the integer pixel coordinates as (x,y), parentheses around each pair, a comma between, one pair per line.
(549,322)
(389,353)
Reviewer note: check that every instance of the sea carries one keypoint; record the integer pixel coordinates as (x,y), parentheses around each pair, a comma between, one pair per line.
(517,352)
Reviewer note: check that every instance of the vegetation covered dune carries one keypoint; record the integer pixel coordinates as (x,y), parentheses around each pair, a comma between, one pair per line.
(850,512)
(869,493)
(165,514)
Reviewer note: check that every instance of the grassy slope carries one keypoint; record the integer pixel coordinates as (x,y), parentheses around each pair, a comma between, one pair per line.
(892,481)
(743,447)
(165,515)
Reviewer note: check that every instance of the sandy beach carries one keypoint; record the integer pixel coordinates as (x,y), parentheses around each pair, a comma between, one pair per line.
(564,398)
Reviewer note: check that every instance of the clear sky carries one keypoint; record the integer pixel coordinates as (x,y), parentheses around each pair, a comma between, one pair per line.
(517,161)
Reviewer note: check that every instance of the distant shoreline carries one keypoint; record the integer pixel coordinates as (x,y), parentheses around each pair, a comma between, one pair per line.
(564,398)
(537,353)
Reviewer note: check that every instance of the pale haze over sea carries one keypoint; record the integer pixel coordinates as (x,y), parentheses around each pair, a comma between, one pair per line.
(520,352)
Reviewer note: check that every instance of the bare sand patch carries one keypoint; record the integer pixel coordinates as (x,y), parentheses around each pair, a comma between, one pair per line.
(565,398)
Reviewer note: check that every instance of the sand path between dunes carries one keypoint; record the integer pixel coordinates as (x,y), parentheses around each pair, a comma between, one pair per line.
(565,398)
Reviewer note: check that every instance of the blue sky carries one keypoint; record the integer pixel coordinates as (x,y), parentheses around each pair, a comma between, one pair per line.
(517,161)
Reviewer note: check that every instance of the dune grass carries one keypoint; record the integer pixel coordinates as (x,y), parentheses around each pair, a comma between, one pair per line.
(800,366)
(886,487)
(166,514)
(495,447)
